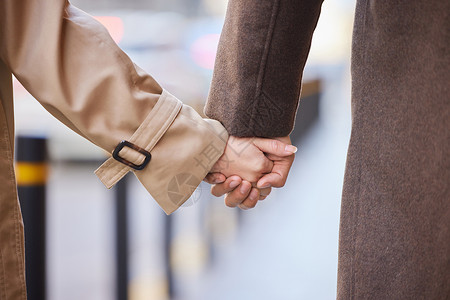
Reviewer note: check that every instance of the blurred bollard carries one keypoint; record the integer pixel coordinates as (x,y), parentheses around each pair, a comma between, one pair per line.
(168,230)
(31,173)
(121,190)
(308,111)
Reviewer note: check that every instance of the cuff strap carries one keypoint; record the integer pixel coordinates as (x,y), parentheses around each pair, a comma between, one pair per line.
(146,137)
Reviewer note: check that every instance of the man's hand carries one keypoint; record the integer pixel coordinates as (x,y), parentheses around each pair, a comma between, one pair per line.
(246,193)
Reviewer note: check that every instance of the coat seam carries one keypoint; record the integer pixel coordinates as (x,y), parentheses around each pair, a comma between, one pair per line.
(2,277)
(15,218)
(19,253)
(263,61)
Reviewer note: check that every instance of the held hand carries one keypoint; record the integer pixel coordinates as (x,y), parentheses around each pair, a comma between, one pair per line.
(237,192)
(241,193)
(281,167)
(246,157)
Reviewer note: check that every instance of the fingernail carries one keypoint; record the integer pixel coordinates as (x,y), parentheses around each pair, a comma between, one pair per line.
(253,195)
(244,189)
(217,180)
(234,184)
(267,185)
(290,149)
(243,207)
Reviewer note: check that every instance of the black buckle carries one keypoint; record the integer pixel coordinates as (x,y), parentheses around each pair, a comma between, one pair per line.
(144,152)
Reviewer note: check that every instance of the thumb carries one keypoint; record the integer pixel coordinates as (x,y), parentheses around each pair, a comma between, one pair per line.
(274,147)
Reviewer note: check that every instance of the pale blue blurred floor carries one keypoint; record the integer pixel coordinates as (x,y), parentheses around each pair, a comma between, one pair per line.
(286,248)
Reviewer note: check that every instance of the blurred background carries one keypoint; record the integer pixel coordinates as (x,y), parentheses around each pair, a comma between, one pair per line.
(285,248)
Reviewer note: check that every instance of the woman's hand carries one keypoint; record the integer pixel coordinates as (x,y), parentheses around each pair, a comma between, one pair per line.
(226,174)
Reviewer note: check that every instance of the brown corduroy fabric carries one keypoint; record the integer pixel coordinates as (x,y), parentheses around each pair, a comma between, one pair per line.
(395,215)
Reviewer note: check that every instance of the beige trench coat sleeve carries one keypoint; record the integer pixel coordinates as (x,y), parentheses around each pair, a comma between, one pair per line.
(70,64)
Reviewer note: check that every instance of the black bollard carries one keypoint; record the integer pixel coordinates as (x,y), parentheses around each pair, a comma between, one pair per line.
(121,239)
(308,112)
(31,173)
(167,244)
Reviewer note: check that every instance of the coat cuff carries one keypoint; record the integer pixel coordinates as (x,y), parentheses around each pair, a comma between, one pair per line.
(183,148)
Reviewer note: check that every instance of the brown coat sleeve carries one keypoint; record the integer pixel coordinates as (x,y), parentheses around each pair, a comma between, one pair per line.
(260,60)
